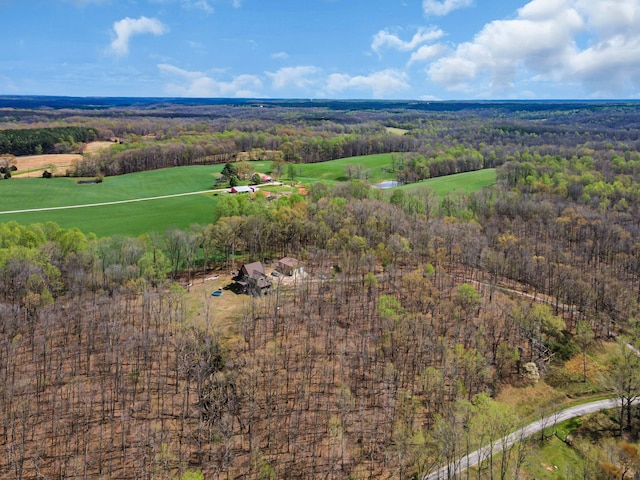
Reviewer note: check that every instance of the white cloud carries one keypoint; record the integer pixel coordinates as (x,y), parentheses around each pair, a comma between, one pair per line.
(543,43)
(280,55)
(303,77)
(426,53)
(435,7)
(198,84)
(381,84)
(611,17)
(313,81)
(203,5)
(384,39)
(609,68)
(430,98)
(236,3)
(128,27)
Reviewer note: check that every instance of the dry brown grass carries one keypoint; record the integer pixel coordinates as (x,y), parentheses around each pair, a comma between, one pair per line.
(95,147)
(34,165)
(575,366)
(215,313)
(528,400)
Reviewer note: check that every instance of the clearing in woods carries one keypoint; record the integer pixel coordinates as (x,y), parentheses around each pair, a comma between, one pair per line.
(34,165)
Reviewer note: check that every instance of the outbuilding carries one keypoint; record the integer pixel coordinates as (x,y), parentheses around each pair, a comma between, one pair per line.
(242,189)
(289,266)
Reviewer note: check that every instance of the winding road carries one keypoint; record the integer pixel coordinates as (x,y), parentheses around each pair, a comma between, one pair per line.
(462,464)
(474,458)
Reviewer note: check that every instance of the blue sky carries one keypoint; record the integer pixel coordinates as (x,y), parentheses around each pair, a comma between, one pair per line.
(381,49)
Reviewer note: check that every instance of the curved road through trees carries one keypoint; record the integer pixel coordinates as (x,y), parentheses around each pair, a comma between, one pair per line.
(474,458)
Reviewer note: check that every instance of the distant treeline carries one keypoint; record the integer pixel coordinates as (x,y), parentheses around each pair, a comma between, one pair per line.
(295,147)
(104,104)
(36,141)
(152,157)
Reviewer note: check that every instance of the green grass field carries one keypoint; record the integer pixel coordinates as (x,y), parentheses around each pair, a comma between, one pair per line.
(334,171)
(157,215)
(467,182)
(23,193)
(126,219)
(131,219)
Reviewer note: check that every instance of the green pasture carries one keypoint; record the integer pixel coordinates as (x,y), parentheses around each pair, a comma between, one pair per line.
(377,167)
(24,193)
(467,182)
(396,131)
(136,218)
(130,219)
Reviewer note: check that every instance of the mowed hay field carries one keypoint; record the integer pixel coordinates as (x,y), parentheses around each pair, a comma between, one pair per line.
(33,165)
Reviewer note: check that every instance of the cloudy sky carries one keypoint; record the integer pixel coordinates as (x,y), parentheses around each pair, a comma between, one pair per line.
(382,49)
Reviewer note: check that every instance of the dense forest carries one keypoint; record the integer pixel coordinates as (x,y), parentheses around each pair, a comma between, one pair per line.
(36,141)
(389,357)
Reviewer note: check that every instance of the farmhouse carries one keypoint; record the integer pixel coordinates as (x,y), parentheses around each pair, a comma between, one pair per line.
(289,266)
(243,189)
(253,280)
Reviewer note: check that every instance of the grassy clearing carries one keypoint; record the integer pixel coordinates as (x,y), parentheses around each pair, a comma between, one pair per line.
(396,131)
(216,314)
(553,460)
(334,171)
(467,182)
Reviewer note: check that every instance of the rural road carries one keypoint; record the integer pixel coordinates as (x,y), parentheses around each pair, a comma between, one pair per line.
(474,458)
(116,202)
(85,205)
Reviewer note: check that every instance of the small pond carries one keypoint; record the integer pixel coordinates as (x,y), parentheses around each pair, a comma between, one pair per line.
(387,184)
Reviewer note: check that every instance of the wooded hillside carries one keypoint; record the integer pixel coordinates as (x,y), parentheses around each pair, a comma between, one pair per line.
(384,361)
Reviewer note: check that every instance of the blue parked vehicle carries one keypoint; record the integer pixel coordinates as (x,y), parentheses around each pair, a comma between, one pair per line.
(217,293)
